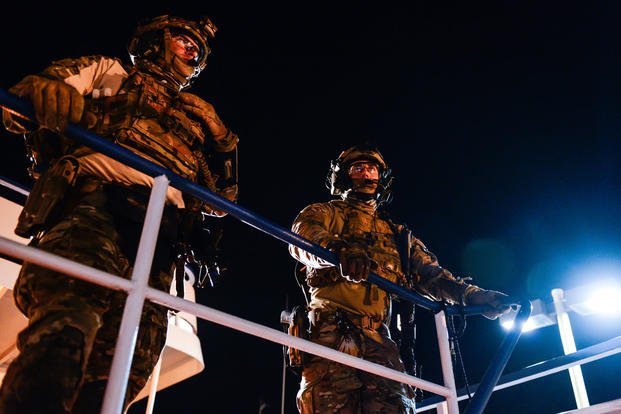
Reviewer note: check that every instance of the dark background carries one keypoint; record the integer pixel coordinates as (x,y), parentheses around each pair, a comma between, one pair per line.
(499,120)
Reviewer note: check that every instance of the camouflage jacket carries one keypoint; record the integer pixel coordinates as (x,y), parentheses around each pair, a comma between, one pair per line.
(354,221)
(138,112)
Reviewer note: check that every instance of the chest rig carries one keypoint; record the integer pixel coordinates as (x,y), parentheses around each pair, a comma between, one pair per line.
(367,227)
(362,225)
(145,117)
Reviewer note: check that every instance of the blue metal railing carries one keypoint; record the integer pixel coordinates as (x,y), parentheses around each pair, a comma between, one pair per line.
(541,369)
(498,362)
(143,165)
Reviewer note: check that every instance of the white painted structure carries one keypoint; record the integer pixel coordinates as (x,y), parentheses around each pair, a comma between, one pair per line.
(181,357)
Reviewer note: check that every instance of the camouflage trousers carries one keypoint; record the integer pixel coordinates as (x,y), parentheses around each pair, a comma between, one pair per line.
(330,387)
(67,348)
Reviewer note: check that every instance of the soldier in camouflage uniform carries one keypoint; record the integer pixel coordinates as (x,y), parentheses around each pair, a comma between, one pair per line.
(90,208)
(349,314)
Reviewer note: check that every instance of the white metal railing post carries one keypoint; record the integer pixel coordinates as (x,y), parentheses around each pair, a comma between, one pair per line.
(155,379)
(83,272)
(271,334)
(447,363)
(569,346)
(126,342)
(442,408)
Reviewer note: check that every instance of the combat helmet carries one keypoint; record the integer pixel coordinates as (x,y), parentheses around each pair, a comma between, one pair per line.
(148,46)
(339,182)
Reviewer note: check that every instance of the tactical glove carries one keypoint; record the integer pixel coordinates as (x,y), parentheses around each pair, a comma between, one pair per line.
(205,112)
(496,301)
(354,263)
(55,103)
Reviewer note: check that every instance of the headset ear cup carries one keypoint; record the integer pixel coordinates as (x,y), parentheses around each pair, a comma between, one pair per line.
(132,48)
(329,182)
(332,180)
(342,182)
(384,193)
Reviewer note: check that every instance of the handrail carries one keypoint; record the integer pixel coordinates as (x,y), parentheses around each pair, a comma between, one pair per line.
(538,370)
(498,362)
(80,271)
(12,185)
(141,164)
(152,169)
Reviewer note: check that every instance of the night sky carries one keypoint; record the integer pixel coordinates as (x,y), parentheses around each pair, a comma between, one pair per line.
(499,119)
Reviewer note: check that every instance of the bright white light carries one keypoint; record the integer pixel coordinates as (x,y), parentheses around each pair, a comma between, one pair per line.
(602,294)
(605,300)
(507,325)
(539,318)
(529,325)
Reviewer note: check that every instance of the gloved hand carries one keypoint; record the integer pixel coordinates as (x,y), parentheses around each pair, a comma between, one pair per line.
(354,263)
(230,193)
(494,299)
(205,112)
(55,103)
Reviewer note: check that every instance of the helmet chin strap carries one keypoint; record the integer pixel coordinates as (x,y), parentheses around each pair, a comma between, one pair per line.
(183,70)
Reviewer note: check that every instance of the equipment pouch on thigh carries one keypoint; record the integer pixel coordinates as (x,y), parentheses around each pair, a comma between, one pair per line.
(45,199)
(298,325)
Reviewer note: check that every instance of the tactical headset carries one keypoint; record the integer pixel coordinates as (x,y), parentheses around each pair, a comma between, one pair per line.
(339,182)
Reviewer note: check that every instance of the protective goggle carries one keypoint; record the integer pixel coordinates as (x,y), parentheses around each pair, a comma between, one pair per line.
(361,166)
(189,46)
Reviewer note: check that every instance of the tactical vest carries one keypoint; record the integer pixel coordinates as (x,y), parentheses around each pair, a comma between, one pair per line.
(145,118)
(362,226)
(359,224)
